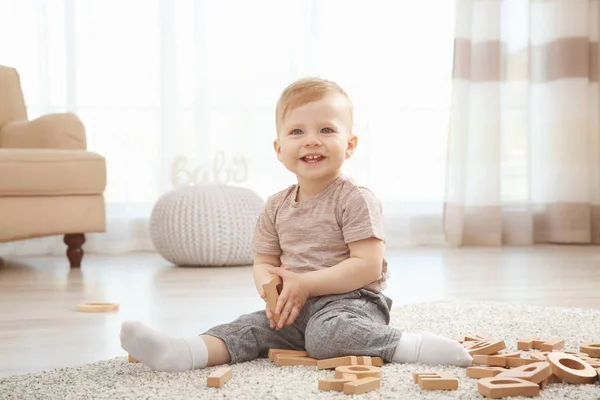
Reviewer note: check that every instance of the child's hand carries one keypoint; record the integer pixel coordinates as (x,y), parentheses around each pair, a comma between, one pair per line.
(292,298)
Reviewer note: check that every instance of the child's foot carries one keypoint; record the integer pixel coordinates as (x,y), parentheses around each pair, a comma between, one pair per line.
(429,348)
(161,352)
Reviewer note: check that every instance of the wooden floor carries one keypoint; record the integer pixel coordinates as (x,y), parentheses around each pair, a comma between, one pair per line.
(40,329)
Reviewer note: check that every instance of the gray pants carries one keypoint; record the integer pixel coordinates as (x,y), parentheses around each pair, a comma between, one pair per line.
(354,323)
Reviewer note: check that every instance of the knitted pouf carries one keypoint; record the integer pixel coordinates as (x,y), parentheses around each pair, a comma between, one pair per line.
(206,225)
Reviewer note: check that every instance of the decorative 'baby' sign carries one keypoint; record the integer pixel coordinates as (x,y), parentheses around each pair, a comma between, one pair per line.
(181,176)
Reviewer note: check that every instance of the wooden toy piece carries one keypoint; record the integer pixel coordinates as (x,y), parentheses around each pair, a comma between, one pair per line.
(331,363)
(537,344)
(516,354)
(535,373)
(495,360)
(484,372)
(132,359)
(297,353)
(97,307)
(377,361)
(363,385)
(283,360)
(594,362)
(592,349)
(218,378)
(497,388)
(364,361)
(336,385)
(460,338)
(571,369)
(351,377)
(479,338)
(538,355)
(361,371)
(526,343)
(418,375)
(436,381)
(487,348)
(553,344)
(550,380)
(519,362)
(272,290)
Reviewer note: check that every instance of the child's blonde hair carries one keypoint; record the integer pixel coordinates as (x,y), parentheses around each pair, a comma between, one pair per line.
(306,90)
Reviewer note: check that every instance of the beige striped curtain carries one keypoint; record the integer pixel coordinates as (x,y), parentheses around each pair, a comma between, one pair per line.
(524,142)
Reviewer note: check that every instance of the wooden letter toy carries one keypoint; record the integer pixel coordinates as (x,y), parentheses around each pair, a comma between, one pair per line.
(592,349)
(435,380)
(479,338)
(272,290)
(297,353)
(535,373)
(540,356)
(486,348)
(518,362)
(362,385)
(526,343)
(571,369)
(484,372)
(336,385)
(497,388)
(332,363)
(97,307)
(132,359)
(219,377)
(553,344)
(361,371)
(284,360)
(364,361)
(495,360)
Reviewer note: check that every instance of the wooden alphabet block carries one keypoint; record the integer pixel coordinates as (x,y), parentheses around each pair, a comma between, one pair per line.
(526,343)
(364,361)
(570,368)
(496,387)
(297,353)
(536,372)
(332,363)
(494,360)
(484,372)
(282,360)
(518,362)
(361,371)
(435,380)
(537,355)
(592,349)
(377,361)
(218,378)
(336,385)
(362,385)
(594,362)
(479,338)
(272,290)
(132,359)
(537,344)
(553,344)
(487,348)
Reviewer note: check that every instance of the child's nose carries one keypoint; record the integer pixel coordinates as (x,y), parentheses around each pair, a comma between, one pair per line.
(312,140)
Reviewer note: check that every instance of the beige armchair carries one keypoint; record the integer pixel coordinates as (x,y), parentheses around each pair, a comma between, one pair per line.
(49,183)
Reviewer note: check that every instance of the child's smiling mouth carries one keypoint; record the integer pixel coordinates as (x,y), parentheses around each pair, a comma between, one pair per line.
(312,158)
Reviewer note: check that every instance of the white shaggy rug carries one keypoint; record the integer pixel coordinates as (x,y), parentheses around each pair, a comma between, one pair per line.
(261,379)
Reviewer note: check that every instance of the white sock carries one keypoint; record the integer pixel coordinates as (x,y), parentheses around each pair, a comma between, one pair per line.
(429,348)
(161,352)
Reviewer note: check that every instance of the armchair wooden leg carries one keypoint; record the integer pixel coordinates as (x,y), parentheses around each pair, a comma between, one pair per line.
(74,242)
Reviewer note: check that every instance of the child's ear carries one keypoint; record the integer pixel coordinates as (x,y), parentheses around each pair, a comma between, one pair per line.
(277,148)
(351,146)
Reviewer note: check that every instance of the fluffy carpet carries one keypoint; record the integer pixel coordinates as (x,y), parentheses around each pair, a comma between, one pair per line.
(260,379)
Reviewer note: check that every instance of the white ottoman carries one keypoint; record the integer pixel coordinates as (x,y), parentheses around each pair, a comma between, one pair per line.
(206,225)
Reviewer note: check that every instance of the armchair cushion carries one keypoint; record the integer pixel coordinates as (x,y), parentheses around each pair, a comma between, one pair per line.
(45,172)
(51,131)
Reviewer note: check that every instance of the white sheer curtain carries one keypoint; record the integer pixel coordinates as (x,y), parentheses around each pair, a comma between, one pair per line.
(173,89)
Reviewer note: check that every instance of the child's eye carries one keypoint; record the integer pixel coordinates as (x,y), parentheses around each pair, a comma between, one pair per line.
(326,130)
(296,132)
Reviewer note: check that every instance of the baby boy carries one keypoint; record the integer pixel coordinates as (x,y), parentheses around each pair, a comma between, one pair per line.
(324,237)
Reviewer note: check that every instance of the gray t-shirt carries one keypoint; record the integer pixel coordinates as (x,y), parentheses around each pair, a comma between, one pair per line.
(313,234)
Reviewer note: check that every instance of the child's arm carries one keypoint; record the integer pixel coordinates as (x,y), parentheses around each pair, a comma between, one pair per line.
(361,268)
(262,263)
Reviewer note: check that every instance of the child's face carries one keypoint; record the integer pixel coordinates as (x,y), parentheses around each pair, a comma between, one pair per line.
(316,138)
